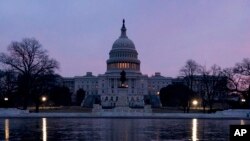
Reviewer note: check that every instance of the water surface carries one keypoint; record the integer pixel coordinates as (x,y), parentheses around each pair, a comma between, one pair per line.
(53,129)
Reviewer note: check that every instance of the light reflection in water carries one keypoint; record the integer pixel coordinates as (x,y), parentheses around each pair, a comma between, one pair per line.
(44,122)
(242,122)
(6,129)
(194,130)
(115,129)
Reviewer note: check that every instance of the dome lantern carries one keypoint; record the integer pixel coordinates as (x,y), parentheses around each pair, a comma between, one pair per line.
(123,30)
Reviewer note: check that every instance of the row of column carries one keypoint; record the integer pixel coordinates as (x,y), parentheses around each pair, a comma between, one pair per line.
(124,65)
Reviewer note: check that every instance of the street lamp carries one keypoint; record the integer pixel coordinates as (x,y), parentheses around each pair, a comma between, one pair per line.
(6,99)
(158,93)
(243,100)
(44,99)
(195,102)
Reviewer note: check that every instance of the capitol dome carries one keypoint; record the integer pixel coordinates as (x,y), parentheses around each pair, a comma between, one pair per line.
(123,55)
(123,42)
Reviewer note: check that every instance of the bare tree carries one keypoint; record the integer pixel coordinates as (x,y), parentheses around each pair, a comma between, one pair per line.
(30,61)
(8,88)
(7,83)
(242,70)
(204,87)
(189,71)
(213,84)
(243,67)
(235,81)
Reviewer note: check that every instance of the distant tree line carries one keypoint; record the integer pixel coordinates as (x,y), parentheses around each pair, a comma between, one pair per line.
(209,85)
(177,95)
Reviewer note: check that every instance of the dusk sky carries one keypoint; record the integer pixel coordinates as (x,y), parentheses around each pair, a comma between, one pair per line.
(80,34)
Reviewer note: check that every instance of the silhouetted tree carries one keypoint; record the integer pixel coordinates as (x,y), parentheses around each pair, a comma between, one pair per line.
(212,85)
(80,95)
(8,86)
(235,81)
(188,72)
(44,84)
(243,67)
(60,95)
(30,61)
(176,95)
(243,70)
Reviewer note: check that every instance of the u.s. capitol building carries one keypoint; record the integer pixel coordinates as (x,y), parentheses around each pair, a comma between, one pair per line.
(122,56)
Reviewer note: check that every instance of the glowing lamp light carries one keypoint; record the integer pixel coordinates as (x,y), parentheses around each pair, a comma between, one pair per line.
(243,100)
(6,99)
(158,93)
(44,99)
(195,102)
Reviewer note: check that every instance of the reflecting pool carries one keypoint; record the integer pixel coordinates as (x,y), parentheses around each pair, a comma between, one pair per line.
(52,129)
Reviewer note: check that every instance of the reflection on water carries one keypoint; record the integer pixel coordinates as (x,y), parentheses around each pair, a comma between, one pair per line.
(7,129)
(44,129)
(115,129)
(194,130)
(242,122)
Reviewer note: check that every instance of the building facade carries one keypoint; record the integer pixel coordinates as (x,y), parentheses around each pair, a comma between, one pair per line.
(123,56)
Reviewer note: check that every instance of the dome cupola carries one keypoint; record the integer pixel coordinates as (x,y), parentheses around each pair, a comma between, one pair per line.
(123,55)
